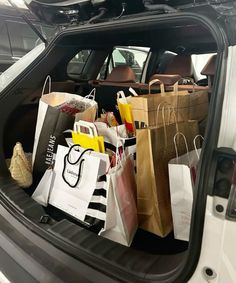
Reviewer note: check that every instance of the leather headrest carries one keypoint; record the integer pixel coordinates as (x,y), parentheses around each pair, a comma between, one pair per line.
(121,74)
(166,79)
(181,65)
(210,67)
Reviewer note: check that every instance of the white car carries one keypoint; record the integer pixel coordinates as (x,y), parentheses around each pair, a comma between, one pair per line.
(41,244)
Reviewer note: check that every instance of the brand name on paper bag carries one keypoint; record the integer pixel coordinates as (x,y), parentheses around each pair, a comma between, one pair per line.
(72,173)
(50,150)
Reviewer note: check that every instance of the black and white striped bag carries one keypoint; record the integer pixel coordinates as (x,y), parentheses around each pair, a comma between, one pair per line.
(96,212)
(101,214)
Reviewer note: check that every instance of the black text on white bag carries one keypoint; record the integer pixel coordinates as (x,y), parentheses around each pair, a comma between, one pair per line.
(75,179)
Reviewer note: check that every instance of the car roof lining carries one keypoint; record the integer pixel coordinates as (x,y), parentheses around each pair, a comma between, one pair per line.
(191,37)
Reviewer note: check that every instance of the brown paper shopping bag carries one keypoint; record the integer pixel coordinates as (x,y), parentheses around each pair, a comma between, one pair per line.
(187,105)
(154,150)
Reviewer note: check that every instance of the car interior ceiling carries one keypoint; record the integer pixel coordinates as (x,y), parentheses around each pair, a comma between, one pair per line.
(183,38)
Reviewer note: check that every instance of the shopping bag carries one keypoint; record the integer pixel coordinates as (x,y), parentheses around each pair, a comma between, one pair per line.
(51,134)
(90,112)
(122,203)
(75,178)
(42,191)
(54,116)
(187,105)
(104,158)
(125,110)
(182,173)
(99,215)
(90,139)
(116,136)
(154,150)
(108,118)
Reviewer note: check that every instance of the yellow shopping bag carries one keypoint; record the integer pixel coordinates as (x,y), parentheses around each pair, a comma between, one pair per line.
(125,111)
(90,139)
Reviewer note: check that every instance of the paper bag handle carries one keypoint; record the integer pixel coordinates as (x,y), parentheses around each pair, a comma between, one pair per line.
(49,81)
(80,161)
(195,146)
(176,85)
(133,91)
(92,94)
(161,107)
(186,144)
(162,87)
(121,94)
(90,126)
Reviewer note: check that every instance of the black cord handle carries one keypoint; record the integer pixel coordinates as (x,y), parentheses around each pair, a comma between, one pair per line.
(79,160)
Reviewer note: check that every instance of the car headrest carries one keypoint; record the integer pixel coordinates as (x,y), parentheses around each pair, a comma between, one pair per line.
(121,74)
(210,67)
(181,65)
(166,79)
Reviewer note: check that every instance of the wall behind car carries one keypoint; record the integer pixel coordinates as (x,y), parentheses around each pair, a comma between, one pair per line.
(17,38)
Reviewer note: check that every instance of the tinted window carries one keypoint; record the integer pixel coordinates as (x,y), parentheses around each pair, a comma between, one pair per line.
(76,65)
(133,57)
(199,61)
(4,42)
(22,38)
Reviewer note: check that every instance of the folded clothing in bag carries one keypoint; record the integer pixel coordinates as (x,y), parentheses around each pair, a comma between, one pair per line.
(73,106)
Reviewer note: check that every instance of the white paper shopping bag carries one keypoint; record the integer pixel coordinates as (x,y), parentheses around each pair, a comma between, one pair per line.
(42,191)
(182,173)
(104,158)
(75,180)
(121,204)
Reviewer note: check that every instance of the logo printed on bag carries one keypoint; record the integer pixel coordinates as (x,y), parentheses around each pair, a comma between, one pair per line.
(73,207)
(50,150)
(73,174)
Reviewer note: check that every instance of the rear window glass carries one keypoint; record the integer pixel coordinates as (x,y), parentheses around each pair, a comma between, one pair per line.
(76,65)
(199,62)
(131,56)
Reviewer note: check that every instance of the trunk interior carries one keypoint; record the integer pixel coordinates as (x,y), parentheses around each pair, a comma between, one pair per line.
(149,256)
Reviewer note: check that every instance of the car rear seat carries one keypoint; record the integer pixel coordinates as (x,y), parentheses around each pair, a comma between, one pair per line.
(120,78)
(209,70)
(181,65)
(120,75)
(180,68)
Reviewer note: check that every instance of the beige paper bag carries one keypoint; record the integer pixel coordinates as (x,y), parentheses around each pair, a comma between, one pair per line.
(187,105)
(154,150)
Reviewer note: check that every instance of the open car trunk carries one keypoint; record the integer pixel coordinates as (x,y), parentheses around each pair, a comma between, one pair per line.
(150,258)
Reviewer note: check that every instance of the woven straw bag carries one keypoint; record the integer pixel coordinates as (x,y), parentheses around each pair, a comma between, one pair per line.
(20,167)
